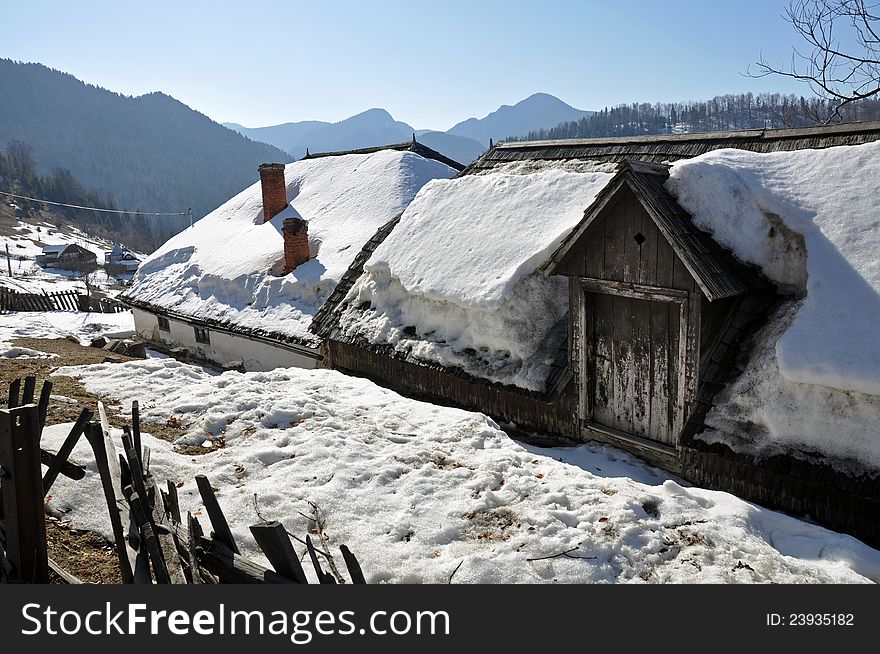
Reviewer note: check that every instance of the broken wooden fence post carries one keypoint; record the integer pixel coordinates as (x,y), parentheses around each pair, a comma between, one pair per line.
(323,577)
(136,426)
(275,543)
(66,448)
(222,532)
(172,507)
(14,390)
(22,486)
(354,568)
(95,435)
(43,404)
(30,385)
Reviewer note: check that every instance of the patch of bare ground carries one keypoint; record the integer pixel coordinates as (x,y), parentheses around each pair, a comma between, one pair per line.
(85,555)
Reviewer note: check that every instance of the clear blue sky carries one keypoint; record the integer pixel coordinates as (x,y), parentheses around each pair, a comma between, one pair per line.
(430,64)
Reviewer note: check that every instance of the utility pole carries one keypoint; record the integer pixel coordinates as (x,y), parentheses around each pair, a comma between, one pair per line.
(8,260)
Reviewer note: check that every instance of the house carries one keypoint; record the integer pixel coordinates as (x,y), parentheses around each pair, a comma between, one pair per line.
(704,301)
(68,256)
(120,261)
(244,283)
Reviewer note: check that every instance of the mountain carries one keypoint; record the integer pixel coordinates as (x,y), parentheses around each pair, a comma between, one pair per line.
(538,111)
(463,143)
(287,136)
(458,148)
(150,153)
(367,129)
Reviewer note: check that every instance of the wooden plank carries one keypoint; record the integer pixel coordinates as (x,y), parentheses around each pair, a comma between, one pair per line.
(173,505)
(64,574)
(323,577)
(30,385)
(194,532)
(648,250)
(660,423)
(615,247)
(14,392)
(638,291)
(221,529)
(136,427)
(641,355)
(601,356)
(68,469)
(354,568)
(66,448)
(22,490)
(275,544)
(94,433)
(621,363)
(142,512)
(43,404)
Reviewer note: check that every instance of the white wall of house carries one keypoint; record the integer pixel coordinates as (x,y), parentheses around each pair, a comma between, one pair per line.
(223,347)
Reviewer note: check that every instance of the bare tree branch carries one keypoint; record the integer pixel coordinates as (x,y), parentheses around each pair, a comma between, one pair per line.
(843,62)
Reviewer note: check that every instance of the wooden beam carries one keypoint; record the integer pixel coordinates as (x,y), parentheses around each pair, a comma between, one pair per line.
(354,568)
(30,385)
(43,404)
(94,433)
(275,543)
(66,448)
(221,529)
(14,391)
(22,490)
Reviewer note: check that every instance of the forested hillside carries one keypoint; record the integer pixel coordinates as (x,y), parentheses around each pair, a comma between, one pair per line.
(19,175)
(726,112)
(151,152)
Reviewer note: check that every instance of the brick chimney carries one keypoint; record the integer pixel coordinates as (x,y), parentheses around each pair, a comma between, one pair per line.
(274,189)
(296,242)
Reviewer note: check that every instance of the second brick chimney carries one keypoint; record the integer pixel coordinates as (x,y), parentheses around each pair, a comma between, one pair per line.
(274,189)
(296,242)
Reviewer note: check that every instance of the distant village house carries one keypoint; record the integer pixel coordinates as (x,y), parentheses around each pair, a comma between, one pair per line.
(69,256)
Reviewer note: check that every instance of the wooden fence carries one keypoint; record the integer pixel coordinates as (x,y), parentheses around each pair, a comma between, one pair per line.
(70,300)
(154,543)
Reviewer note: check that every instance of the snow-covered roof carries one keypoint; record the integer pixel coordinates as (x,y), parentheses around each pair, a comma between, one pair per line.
(811,220)
(454,284)
(227,267)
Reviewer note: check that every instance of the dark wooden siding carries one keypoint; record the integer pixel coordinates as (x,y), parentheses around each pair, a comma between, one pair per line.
(502,403)
(609,250)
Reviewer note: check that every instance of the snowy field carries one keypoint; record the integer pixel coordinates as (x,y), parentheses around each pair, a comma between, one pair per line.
(60,324)
(417,489)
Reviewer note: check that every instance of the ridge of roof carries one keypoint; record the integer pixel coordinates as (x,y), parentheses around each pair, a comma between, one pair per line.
(765,134)
(405,146)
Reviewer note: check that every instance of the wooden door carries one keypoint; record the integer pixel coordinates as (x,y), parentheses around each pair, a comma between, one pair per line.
(634,366)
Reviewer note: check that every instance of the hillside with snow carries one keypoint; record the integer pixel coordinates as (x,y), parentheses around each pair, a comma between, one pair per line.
(25,237)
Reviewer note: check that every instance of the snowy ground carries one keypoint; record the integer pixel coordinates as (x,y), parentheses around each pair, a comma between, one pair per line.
(417,489)
(60,324)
